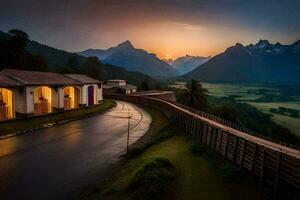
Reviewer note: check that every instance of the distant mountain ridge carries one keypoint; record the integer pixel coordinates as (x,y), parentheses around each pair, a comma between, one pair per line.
(262,62)
(125,55)
(188,63)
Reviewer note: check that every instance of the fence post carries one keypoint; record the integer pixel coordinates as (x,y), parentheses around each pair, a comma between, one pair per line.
(262,166)
(210,136)
(198,129)
(243,152)
(206,133)
(236,142)
(216,137)
(221,142)
(201,131)
(226,145)
(253,158)
(194,127)
(278,162)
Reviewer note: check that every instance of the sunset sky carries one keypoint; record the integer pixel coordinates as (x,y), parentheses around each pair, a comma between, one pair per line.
(168,28)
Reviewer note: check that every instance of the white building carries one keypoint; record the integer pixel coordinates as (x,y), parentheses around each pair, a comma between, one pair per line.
(118,86)
(35,93)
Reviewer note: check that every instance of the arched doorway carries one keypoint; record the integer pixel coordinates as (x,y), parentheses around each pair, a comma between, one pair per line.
(91,96)
(71,98)
(6,104)
(42,100)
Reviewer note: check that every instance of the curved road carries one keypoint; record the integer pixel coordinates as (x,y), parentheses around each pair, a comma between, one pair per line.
(58,162)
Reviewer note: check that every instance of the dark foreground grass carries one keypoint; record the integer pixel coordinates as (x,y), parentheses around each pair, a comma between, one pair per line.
(192,175)
(152,180)
(225,169)
(30,123)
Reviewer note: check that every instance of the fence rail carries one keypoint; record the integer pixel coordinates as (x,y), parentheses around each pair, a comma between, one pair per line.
(274,164)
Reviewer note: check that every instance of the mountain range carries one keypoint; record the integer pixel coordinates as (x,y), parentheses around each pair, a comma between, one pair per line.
(262,62)
(188,63)
(125,55)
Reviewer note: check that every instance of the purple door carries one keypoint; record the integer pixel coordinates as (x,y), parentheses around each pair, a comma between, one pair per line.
(91,95)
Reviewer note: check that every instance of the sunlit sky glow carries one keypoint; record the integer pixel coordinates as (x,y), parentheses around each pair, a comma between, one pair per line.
(168,28)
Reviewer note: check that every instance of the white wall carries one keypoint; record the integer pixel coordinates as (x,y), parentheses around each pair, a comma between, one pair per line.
(29,99)
(83,94)
(19,95)
(58,98)
(99,94)
(24,97)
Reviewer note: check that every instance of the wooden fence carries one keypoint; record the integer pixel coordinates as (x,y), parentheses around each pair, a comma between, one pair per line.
(274,164)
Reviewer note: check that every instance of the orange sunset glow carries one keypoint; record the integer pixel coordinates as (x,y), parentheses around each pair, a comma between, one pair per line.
(166,28)
(169,40)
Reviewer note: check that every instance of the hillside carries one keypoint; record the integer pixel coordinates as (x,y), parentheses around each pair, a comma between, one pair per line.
(130,58)
(63,61)
(260,63)
(188,63)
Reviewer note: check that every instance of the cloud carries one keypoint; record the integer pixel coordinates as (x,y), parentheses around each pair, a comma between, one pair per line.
(189,26)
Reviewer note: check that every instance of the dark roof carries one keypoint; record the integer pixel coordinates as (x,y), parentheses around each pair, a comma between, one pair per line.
(83,78)
(124,87)
(6,81)
(127,87)
(153,92)
(39,78)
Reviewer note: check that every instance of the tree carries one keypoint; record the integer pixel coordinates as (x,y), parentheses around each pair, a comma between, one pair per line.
(13,53)
(227,112)
(19,38)
(194,95)
(93,68)
(144,86)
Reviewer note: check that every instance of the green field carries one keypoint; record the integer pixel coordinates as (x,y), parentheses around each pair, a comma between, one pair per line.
(289,122)
(226,90)
(240,93)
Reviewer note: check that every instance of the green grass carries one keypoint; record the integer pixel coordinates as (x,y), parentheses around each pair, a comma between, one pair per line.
(30,123)
(225,90)
(197,176)
(286,121)
(160,132)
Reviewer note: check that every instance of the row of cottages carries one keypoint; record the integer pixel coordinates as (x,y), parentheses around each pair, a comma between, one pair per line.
(26,93)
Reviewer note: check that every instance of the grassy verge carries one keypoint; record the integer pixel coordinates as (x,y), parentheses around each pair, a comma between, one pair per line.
(160,130)
(188,172)
(30,123)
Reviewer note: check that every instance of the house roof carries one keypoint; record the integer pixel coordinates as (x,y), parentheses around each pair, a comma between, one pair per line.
(127,87)
(39,78)
(115,80)
(124,87)
(153,92)
(82,78)
(6,81)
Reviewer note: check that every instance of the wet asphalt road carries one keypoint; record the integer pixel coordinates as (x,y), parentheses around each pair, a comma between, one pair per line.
(58,162)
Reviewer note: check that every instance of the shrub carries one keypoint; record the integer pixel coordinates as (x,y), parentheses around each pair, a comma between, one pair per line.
(196,147)
(153,179)
(136,151)
(230,172)
(165,133)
